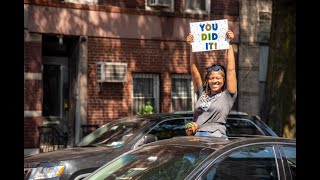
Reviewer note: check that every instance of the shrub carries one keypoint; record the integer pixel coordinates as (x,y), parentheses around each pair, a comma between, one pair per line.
(146,109)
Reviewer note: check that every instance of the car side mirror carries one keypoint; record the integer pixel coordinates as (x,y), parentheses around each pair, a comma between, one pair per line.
(150,138)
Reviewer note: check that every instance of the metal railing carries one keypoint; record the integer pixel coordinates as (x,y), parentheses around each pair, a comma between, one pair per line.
(51,138)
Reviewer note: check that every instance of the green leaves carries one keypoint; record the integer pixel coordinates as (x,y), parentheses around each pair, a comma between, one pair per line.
(146,109)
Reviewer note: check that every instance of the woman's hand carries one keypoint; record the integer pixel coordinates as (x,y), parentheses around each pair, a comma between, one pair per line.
(190,38)
(230,35)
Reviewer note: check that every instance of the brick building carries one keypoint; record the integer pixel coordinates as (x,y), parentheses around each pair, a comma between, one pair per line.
(88,62)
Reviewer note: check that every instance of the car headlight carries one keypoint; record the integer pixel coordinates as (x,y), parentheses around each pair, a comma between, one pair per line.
(46,172)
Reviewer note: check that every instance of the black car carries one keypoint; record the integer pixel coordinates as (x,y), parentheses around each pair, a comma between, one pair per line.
(205,158)
(118,137)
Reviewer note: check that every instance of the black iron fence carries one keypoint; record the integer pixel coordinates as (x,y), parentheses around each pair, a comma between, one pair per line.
(51,138)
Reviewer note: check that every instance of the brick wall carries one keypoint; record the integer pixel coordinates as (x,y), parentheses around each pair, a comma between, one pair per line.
(165,99)
(218,7)
(32,95)
(32,57)
(31,132)
(32,89)
(109,101)
(139,4)
(225,7)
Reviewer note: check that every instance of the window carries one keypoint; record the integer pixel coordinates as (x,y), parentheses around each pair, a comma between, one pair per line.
(242,126)
(160,5)
(145,90)
(170,128)
(182,96)
(251,162)
(199,6)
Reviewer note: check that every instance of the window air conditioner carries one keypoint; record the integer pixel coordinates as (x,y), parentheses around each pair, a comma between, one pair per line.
(160,3)
(111,72)
(82,1)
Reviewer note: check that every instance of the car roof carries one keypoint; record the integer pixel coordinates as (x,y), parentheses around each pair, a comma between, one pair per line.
(217,143)
(160,116)
(232,112)
(177,114)
(157,117)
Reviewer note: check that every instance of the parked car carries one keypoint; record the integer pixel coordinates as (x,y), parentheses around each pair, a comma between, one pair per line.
(241,123)
(120,136)
(203,158)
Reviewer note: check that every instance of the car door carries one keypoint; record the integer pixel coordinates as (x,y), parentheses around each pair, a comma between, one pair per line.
(254,162)
(288,153)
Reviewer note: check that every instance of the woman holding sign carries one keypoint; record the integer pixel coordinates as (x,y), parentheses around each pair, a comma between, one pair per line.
(217,93)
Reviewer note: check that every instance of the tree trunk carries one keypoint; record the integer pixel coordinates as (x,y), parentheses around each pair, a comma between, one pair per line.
(279,107)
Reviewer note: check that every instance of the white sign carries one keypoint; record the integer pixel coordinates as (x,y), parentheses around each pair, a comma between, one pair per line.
(209,35)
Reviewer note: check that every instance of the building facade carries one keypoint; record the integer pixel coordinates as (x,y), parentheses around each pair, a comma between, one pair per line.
(88,62)
(255,24)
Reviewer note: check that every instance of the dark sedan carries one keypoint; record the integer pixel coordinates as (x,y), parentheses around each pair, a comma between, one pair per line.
(118,137)
(203,158)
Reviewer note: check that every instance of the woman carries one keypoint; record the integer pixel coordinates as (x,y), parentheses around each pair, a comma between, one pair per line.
(217,93)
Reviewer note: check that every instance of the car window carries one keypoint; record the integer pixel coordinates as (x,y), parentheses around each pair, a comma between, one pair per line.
(254,162)
(290,155)
(154,162)
(113,134)
(170,128)
(242,126)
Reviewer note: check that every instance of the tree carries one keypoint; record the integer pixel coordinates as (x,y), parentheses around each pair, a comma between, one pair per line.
(279,106)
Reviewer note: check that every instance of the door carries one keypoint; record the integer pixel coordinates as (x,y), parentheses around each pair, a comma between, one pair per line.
(55,92)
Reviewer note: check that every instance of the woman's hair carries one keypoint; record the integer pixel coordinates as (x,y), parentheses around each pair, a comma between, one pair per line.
(214,67)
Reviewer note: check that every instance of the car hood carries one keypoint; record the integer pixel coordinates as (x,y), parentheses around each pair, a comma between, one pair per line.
(68,154)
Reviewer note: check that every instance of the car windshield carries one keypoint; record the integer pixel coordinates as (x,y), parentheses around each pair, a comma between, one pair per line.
(154,162)
(113,134)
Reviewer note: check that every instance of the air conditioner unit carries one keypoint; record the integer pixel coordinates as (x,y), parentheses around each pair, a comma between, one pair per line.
(82,1)
(111,72)
(160,3)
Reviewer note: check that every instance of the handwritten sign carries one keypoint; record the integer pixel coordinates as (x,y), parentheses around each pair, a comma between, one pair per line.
(209,35)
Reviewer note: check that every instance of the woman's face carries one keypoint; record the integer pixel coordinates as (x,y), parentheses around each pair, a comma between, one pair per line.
(216,81)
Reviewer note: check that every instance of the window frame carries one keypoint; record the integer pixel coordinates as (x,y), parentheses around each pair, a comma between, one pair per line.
(165,9)
(193,94)
(156,90)
(219,157)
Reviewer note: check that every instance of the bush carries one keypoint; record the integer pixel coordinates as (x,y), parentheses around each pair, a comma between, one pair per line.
(146,109)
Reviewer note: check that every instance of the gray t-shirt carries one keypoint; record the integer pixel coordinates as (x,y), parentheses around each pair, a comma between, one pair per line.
(211,113)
